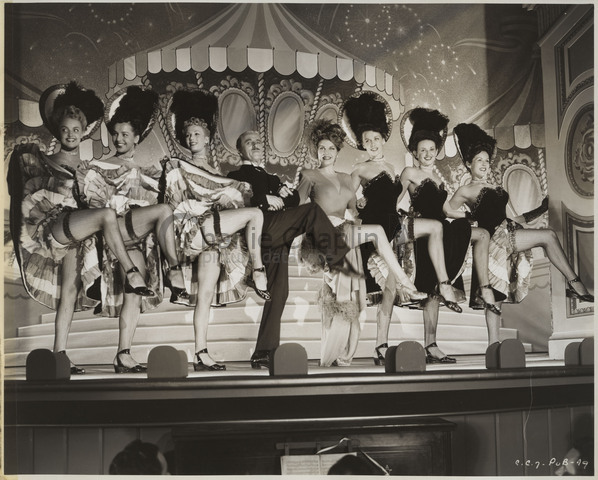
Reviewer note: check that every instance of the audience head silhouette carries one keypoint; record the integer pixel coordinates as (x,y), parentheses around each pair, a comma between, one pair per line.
(139,458)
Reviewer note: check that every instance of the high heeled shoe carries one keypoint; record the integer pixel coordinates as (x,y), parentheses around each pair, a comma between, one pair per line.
(447,303)
(178,296)
(75,370)
(120,367)
(199,365)
(432,359)
(142,291)
(380,359)
(265,294)
(490,306)
(570,292)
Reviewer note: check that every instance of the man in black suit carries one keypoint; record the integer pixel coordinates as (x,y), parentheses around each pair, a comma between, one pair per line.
(283,221)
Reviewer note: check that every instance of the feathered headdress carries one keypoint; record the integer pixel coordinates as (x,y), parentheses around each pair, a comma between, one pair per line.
(324,129)
(423,124)
(198,107)
(57,98)
(365,111)
(137,106)
(471,140)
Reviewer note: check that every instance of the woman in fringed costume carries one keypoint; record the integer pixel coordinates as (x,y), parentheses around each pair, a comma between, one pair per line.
(367,119)
(128,184)
(342,298)
(426,131)
(53,234)
(510,256)
(209,219)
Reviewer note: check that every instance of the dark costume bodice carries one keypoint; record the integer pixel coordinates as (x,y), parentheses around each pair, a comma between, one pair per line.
(381,194)
(428,199)
(490,208)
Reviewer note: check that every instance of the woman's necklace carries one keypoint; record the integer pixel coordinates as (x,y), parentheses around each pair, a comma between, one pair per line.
(72,153)
(126,157)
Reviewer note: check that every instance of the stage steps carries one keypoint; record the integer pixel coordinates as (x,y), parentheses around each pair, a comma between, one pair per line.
(233,329)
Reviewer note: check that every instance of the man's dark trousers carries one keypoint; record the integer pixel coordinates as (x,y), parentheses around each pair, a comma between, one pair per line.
(279,231)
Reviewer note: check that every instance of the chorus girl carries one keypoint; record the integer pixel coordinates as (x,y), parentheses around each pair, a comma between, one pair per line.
(214,232)
(128,184)
(510,261)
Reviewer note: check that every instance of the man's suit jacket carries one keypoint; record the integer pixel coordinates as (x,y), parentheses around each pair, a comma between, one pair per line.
(263,183)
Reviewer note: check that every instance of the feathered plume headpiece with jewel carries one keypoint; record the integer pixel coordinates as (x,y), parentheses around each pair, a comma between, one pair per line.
(471,140)
(193,107)
(423,124)
(136,106)
(74,101)
(362,112)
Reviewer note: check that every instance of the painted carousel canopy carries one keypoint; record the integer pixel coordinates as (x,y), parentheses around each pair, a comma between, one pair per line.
(259,36)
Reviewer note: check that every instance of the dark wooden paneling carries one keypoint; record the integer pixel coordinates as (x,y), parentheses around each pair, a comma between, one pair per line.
(84,448)
(559,422)
(50,450)
(18,450)
(509,439)
(478,450)
(536,437)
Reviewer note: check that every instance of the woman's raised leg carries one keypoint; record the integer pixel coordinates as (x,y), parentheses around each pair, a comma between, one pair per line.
(252,221)
(208,271)
(158,219)
(375,233)
(75,226)
(432,229)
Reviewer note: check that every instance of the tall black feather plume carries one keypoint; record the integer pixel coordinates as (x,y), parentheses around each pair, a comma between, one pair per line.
(427,125)
(74,95)
(366,112)
(472,140)
(137,108)
(188,104)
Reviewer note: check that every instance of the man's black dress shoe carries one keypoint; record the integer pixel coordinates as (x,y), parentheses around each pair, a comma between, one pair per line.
(260,358)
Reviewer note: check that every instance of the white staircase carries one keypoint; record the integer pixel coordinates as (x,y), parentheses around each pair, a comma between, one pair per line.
(233,329)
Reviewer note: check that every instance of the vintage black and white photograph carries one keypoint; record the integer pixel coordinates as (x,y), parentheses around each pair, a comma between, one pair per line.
(298,239)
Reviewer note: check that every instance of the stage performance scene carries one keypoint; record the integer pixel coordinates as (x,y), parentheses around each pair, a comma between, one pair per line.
(298,239)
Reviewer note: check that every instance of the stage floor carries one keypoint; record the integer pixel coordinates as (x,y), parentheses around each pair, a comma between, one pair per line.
(359,366)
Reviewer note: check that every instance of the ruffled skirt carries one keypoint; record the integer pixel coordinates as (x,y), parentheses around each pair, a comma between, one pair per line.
(113,278)
(41,255)
(509,271)
(235,268)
